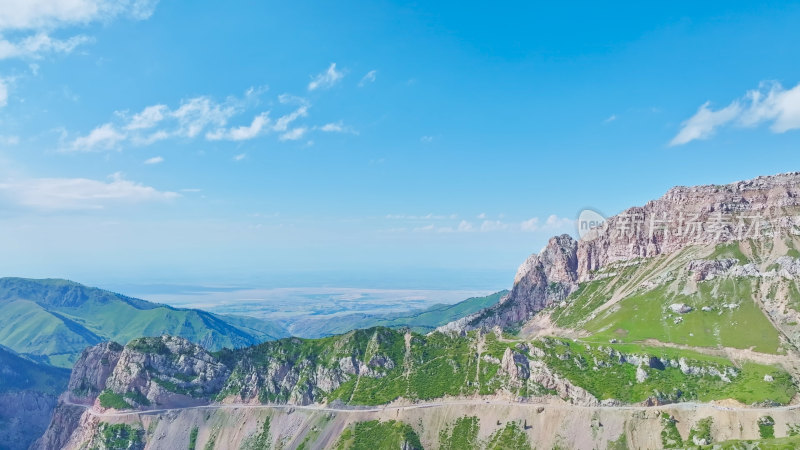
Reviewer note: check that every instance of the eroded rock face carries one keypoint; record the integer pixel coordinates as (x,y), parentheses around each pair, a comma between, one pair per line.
(516,365)
(24,416)
(541,281)
(91,371)
(168,371)
(542,375)
(66,419)
(684,216)
(708,269)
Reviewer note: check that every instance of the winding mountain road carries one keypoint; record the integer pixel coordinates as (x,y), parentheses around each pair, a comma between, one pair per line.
(321,408)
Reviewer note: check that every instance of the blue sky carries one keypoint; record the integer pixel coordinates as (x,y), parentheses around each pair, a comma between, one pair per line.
(367,143)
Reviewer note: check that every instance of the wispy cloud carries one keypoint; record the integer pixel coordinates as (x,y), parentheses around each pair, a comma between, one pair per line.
(39,44)
(337,127)
(493,225)
(244,132)
(369,77)
(193,118)
(326,79)
(104,137)
(552,223)
(3,93)
(154,160)
(426,139)
(293,134)
(58,194)
(770,103)
(240,157)
(51,14)
(610,118)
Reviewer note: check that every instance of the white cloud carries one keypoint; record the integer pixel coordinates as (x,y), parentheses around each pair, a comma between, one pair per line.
(326,79)
(154,160)
(240,157)
(242,133)
(40,14)
(426,139)
(481,216)
(38,44)
(776,105)
(293,134)
(610,118)
(552,223)
(193,117)
(531,224)
(704,122)
(195,114)
(3,93)
(337,127)
(148,118)
(493,225)
(368,78)
(429,216)
(54,194)
(283,122)
(292,99)
(104,137)
(465,226)
(332,127)
(202,116)
(770,103)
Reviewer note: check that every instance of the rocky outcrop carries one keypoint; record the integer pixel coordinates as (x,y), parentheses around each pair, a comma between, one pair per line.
(515,365)
(66,419)
(541,281)
(708,269)
(167,371)
(684,216)
(24,416)
(542,375)
(91,371)
(697,215)
(87,381)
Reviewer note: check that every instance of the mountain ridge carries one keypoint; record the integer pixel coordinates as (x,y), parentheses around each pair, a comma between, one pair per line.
(681,218)
(54,320)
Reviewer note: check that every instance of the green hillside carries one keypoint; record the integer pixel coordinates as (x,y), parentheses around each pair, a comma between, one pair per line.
(420,321)
(54,320)
(721,311)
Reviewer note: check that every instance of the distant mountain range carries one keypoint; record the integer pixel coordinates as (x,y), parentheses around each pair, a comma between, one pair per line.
(419,321)
(53,320)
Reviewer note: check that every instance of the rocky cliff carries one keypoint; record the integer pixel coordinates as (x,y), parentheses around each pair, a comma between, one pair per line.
(28,392)
(762,208)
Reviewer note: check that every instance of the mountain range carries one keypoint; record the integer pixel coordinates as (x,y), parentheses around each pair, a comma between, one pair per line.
(670,325)
(54,320)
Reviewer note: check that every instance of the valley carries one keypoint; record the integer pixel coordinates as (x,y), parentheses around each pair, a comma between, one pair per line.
(617,340)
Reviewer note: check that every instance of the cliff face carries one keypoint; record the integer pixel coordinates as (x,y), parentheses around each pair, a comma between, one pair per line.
(761,208)
(754,209)
(23,417)
(87,381)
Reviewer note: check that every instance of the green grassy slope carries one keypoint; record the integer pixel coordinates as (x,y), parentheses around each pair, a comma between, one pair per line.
(647,316)
(725,309)
(54,320)
(424,367)
(420,321)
